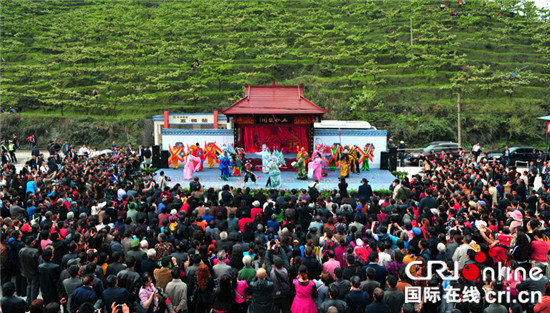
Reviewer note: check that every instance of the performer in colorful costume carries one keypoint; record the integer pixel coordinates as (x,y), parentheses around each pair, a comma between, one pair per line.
(333,161)
(366,155)
(266,156)
(176,154)
(238,162)
(225,164)
(199,153)
(249,173)
(315,167)
(301,160)
(210,154)
(274,180)
(175,163)
(353,158)
(190,166)
(344,164)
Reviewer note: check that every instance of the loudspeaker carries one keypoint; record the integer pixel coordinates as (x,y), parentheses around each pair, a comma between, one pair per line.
(388,161)
(393,162)
(384,158)
(164,155)
(156,150)
(156,156)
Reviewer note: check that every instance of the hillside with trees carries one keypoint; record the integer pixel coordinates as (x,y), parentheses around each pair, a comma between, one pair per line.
(398,64)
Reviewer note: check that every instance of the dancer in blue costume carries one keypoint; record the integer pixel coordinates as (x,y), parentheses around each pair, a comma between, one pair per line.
(225,164)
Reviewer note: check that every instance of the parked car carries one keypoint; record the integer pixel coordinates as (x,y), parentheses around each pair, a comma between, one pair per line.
(433,148)
(522,153)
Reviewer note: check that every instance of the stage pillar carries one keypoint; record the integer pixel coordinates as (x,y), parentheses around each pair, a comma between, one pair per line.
(310,140)
(215,119)
(166,121)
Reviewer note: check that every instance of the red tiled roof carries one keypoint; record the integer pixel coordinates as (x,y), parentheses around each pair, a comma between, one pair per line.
(274,99)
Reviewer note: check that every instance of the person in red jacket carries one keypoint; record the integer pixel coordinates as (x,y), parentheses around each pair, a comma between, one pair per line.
(544,305)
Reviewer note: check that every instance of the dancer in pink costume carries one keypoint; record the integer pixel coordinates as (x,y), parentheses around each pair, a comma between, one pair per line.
(189,169)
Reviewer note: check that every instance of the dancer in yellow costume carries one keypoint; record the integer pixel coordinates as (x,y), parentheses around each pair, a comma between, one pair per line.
(344,164)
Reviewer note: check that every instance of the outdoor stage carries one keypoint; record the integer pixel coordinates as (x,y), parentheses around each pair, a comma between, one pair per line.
(378,179)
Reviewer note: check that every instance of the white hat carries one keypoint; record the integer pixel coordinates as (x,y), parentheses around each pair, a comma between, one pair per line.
(173,212)
(441,247)
(401,141)
(256,204)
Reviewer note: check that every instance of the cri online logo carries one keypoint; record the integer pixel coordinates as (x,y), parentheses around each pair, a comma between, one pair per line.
(471,272)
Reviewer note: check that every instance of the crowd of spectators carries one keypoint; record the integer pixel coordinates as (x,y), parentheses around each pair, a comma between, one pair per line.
(95,232)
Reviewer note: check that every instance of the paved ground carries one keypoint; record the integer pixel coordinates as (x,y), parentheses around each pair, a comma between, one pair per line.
(22,156)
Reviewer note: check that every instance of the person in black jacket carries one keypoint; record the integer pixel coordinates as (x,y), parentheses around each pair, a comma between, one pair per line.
(117,266)
(113,293)
(365,190)
(84,294)
(129,278)
(49,276)
(149,265)
(11,303)
(28,262)
(352,269)
(377,305)
(261,289)
(280,276)
(15,246)
(314,268)
(224,295)
(356,299)
(428,201)
(334,301)
(195,185)
(343,285)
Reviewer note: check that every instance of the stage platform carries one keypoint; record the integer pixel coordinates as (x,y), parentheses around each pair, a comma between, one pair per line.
(378,179)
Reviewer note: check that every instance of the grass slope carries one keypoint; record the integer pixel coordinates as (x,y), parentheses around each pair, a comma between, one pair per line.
(354,57)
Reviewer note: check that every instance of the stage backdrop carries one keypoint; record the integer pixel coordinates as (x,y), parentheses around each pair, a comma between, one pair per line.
(378,138)
(192,136)
(280,137)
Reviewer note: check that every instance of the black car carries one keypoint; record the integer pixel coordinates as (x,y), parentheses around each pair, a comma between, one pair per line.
(524,154)
(433,148)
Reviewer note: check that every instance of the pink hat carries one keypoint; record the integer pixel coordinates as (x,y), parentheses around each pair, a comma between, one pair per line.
(516,215)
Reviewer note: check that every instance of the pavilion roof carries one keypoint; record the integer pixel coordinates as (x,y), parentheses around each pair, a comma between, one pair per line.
(274,99)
